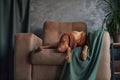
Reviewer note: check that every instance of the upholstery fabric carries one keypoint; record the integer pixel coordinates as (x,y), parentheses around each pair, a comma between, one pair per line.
(46,72)
(104,71)
(24,43)
(48,57)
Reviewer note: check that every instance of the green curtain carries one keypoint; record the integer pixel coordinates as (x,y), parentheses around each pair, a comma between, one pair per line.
(14,18)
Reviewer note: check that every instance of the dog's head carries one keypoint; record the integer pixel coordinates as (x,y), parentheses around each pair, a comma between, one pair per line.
(63,43)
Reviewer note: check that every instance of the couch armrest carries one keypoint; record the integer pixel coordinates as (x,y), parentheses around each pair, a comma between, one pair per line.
(104,70)
(47,57)
(24,44)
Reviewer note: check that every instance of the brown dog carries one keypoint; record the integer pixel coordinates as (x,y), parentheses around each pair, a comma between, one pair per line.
(69,41)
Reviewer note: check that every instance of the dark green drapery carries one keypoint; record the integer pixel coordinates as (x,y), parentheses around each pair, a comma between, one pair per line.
(14,18)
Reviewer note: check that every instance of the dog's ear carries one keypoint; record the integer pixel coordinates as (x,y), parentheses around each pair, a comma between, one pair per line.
(63,43)
(63,37)
(72,42)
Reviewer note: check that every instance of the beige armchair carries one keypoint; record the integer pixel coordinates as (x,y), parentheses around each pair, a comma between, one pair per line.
(47,64)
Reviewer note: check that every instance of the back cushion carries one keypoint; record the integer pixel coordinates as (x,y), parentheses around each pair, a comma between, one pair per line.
(54,30)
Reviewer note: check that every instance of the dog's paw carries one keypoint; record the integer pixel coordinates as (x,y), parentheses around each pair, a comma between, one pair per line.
(84,55)
(68,49)
(67,58)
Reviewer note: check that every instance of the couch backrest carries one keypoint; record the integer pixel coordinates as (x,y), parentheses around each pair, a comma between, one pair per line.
(53,30)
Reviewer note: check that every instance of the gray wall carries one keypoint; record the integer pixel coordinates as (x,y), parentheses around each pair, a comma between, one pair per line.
(65,10)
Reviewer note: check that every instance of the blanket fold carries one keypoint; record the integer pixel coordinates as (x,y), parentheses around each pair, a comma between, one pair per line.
(84,70)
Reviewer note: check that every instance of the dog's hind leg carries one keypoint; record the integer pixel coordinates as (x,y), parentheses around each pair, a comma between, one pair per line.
(67,58)
(84,52)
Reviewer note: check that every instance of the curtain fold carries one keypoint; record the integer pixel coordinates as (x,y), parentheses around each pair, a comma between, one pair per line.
(14,18)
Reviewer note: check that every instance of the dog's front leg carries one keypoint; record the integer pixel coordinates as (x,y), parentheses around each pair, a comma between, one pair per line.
(45,47)
(68,54)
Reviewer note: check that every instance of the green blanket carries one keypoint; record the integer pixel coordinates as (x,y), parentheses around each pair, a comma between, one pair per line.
(84,70)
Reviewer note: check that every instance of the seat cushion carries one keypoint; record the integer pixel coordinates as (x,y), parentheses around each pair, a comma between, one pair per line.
(47,57)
